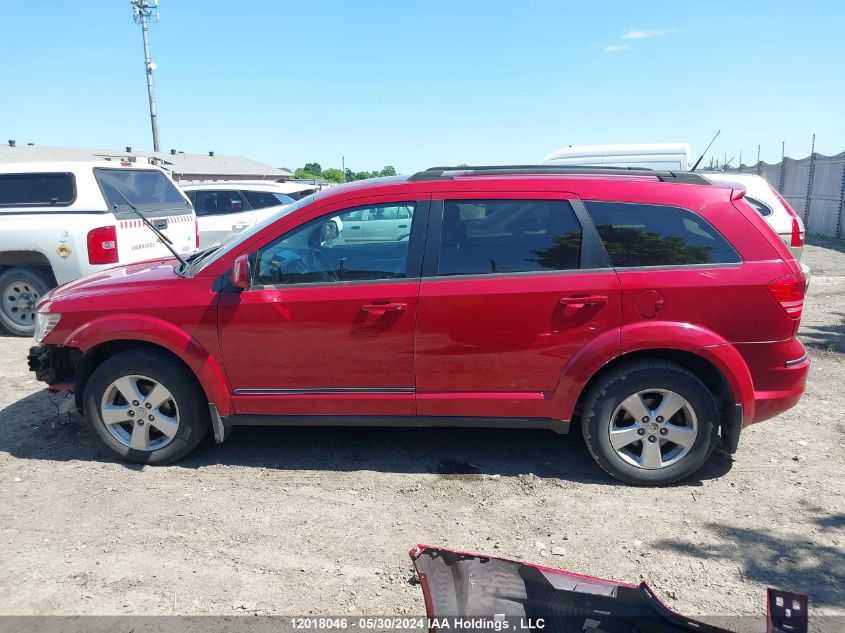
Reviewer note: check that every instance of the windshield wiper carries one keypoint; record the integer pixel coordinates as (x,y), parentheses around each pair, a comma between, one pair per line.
(164,239)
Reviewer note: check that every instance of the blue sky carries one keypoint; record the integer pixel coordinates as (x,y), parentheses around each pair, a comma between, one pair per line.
(415,84)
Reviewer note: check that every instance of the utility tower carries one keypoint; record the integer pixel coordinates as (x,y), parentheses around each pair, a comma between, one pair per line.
(142,12)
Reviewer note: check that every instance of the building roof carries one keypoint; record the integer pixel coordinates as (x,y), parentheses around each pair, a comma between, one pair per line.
(179,163)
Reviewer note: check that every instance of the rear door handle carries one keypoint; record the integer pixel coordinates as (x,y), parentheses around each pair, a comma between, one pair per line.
(588,300)
(384,307)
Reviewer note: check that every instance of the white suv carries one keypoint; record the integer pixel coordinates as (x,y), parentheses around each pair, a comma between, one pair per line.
(63,220)
(225,209)
(766,201)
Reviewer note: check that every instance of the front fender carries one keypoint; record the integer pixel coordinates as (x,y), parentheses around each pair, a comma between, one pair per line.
(656,335)
(149,329)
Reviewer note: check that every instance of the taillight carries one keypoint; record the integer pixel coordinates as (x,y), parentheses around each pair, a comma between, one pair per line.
(197,231)
(789,293)
(102,245)
(797,238)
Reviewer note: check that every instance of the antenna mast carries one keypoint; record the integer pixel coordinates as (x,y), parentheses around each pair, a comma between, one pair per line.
(142,12)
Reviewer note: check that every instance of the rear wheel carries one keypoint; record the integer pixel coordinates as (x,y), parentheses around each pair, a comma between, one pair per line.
(650,423)
(22,288)
(146,407)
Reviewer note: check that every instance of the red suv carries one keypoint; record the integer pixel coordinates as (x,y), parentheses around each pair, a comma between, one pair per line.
(656,308)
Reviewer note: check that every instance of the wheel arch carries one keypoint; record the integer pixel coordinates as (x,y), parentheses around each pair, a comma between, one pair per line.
(701,351)
(28,259)
(702,368)
(105,337)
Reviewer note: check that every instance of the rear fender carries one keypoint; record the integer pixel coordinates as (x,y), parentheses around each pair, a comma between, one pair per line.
(133,327)
(655,335)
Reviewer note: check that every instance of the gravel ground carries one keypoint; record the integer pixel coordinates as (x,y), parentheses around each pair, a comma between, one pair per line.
(318,521)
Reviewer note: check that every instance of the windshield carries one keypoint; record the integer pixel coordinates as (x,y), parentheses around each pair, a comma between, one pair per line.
(144,188)
(233,242)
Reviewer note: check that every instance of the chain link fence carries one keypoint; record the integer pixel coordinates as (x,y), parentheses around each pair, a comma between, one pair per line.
(813,186)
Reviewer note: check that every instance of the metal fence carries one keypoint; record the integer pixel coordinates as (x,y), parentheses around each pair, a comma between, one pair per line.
(813,186)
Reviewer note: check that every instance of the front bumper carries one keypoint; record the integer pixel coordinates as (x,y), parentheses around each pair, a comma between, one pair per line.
(55,365)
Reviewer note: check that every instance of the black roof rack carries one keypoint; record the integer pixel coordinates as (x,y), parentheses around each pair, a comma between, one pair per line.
(448,173)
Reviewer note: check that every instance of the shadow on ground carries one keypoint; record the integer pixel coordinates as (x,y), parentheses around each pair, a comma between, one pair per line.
(30,429)
(777,560)
(830,338)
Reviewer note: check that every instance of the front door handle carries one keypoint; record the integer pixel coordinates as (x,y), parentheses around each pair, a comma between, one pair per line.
(384,307)
(587,300)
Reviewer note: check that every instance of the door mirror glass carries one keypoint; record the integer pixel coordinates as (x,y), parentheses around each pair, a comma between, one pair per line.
(240,274)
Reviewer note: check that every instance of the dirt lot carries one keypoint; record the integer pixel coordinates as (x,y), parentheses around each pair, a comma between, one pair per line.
(299,521)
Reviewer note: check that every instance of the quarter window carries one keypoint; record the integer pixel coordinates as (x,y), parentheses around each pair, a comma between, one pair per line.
(36,190)
(328,250)
(508,236)
(658,235)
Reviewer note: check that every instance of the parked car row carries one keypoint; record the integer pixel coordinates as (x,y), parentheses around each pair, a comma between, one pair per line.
(657,310)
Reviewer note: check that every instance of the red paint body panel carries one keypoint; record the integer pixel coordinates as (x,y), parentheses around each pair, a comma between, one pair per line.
(505,334)
(305,338)
(499,346)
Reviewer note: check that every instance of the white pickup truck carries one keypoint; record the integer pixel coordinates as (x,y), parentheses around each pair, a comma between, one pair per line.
(63,220)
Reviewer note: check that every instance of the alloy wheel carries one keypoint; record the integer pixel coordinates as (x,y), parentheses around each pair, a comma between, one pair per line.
(653,428)
(140,413)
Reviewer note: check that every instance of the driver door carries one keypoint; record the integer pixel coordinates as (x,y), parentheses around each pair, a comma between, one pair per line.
(327,326)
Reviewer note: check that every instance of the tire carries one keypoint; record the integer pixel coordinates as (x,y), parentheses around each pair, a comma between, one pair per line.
(21,287)
(158,440)
(630,456)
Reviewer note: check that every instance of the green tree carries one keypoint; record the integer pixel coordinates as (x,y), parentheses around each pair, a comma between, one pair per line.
(349,175)
(313,168)
(363,175)
(389,170)
(333,175)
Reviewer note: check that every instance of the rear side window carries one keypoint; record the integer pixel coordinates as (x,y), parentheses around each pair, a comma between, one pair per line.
(508,236)
(760,207)
(218,203)
(143,188)
(658,235)
(36,190)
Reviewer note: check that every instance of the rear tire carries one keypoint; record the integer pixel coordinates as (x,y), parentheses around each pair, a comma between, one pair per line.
(629,438)
(22,287)
(146,407)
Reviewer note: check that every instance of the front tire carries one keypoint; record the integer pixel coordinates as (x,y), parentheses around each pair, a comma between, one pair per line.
(22,288)
(650,423)
(146,407)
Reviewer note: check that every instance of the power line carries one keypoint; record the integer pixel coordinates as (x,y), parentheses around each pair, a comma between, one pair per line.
(142,12)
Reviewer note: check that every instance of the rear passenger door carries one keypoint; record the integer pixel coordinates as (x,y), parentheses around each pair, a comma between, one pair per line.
(513,286)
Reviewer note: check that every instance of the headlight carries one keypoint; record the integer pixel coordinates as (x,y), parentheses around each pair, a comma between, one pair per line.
(44,324)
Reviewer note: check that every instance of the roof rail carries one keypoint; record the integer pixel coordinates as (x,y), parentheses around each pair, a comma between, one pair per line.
(449,173)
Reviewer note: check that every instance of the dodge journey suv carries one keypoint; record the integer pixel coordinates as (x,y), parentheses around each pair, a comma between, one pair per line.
(658,310)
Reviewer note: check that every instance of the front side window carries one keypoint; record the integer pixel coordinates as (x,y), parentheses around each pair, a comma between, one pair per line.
(508,236)
(36,190)
(319,252)
(657,235)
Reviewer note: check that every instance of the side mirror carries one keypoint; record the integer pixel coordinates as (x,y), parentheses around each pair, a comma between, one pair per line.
(240,274)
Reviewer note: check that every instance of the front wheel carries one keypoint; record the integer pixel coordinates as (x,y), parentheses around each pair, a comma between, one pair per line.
(146,407)
(650,423)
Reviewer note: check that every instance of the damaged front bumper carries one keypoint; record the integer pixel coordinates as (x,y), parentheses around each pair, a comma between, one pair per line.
(55,365)
(520,596)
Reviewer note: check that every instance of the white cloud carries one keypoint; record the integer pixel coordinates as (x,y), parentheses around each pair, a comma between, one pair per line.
(615,49)
(639,35)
